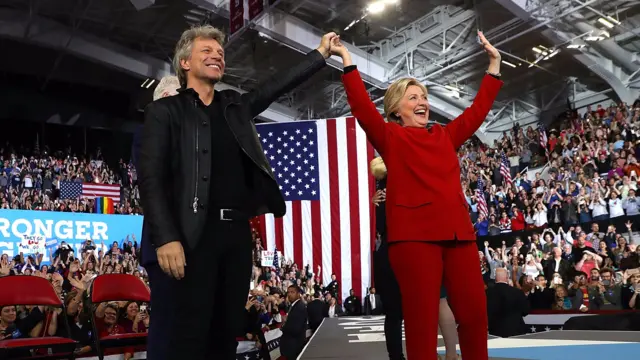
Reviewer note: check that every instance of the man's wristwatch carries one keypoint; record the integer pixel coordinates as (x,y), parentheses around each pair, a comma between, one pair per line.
(497,76)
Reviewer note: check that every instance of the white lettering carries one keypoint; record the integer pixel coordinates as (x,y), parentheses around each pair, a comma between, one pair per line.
(7,248)
(81,229)
(64,230)
(50,229)
(100,231)
(43,228)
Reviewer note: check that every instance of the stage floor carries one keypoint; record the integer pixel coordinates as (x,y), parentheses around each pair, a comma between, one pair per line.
(361,338)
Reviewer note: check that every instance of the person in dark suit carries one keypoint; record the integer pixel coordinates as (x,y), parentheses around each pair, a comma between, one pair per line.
(425,242)
(197,243)
(316,310)
(294,330)
(506,307)
(557,264)
(373,303)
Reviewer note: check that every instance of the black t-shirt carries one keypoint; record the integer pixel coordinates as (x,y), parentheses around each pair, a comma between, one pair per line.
(230,180)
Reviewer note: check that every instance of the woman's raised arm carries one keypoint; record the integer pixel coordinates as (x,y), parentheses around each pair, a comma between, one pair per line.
(465,125)
(362,107)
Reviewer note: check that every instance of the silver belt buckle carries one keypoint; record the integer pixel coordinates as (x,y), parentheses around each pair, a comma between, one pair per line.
(222,216)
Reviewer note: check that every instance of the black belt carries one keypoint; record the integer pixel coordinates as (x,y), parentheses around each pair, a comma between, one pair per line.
(229,215)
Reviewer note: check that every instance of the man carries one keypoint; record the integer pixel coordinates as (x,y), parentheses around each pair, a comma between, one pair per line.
(294,330)
(317,310)
(373,303)
(352,304)
(611,290)
(541,297)
(557,264)
(203,175)
(506,307)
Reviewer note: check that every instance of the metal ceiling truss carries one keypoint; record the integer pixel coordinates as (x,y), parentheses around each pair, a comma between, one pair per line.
(50,34)
(597,59)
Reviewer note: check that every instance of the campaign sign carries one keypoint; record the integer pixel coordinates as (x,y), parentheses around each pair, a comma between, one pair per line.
(32,244)
(72,228)
(266,259)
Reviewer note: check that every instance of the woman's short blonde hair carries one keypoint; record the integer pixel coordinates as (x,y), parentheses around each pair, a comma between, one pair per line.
(169,83)
(394,95)
(185,45)
(378,168)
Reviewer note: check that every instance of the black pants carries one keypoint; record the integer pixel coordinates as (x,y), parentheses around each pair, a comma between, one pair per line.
(389,290)
(200,316)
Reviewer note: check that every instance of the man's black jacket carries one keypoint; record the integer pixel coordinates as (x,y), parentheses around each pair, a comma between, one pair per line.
(173,162)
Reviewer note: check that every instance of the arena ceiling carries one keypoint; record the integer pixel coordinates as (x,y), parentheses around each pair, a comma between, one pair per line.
(122,43)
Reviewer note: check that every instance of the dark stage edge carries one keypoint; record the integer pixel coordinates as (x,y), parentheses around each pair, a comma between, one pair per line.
(361,338)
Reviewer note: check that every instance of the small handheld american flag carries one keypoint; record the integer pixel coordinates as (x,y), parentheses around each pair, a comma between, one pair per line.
(482,202)
(505,170)
(276,261)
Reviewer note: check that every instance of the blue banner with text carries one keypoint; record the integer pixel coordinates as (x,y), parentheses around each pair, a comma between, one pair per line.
(72,228)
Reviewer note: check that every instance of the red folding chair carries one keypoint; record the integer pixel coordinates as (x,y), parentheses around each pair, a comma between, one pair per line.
(117,287)
(37,291)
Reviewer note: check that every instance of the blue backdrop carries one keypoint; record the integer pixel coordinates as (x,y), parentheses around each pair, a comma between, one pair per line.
(72,228)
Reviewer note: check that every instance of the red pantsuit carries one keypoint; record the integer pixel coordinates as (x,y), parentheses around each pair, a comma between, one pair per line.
(429,229)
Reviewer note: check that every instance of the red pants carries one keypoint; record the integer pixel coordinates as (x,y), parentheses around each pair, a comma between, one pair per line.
(418,266)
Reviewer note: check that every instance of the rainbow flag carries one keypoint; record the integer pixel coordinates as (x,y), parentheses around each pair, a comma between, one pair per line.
(104,205)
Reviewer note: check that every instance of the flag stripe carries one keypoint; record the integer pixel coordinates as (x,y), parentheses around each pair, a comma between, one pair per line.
(344,205)
(354,198)
(334,199)
(316,230)
(372,209)
(270,231)
(325,201)
(287,231)
(279,235)
(365,215)
(307,234)
(296,226)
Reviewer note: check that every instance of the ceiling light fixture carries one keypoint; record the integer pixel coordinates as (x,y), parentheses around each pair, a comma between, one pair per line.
(376,7)
(508,63)
(606,22)
(576,46)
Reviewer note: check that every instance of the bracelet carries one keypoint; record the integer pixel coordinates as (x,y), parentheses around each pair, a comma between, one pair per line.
(497,76)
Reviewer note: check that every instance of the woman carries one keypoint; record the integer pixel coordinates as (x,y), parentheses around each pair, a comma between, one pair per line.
(424,180)
(387,285)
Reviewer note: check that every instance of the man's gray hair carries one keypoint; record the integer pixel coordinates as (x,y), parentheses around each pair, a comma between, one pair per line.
(185,45)
(167,83)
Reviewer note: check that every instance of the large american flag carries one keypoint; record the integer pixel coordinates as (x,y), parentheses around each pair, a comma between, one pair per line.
(480,199)
(75,190)
(322,169)
(505,170)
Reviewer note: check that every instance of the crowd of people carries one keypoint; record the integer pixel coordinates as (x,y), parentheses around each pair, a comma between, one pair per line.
(30,180)
(565,235)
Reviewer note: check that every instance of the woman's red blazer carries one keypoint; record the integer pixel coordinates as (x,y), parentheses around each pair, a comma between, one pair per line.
(424,196)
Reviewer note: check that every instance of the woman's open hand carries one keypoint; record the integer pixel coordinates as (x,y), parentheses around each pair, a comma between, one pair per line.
(494,54)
